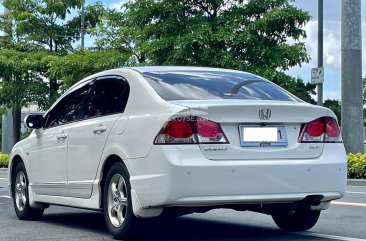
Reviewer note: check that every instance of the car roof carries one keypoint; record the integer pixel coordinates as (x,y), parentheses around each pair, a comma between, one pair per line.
(145,69)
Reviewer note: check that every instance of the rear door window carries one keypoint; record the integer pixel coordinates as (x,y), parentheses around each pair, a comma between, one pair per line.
(109,96)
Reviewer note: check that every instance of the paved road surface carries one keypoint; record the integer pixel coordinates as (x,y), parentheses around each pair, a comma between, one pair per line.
(345,220)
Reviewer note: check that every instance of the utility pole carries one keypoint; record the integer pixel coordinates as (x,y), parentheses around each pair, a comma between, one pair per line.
(320,49)
(82,27)
(351,74)
(7,140)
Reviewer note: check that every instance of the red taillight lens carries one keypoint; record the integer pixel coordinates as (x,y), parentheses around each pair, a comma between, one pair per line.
(315,128)
(332,127)
(209,132)
(207,128)
(178,129)
(324,129)
(191,130)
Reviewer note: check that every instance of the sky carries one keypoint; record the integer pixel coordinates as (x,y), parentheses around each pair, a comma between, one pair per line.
(332,42)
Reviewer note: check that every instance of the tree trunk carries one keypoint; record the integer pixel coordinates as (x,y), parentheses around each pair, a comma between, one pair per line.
(54,87)
(17,115)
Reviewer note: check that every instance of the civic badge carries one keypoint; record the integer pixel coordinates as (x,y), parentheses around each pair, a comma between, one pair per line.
(264,114)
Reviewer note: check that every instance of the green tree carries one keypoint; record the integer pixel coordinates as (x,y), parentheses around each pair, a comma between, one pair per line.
(75,66)
(36,33)
(20,83)
(303,90)
(245,35)
(114,31)
(47,25)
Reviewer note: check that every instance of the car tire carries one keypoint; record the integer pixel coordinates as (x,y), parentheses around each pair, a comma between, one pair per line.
(117,204)
(297,220)
(21,195)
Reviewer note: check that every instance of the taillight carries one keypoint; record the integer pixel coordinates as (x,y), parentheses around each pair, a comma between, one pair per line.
(178,129)
(324,129)
(191,130)
(332,128)
(209,132)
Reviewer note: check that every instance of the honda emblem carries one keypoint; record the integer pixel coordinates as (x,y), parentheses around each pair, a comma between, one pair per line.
(264,114)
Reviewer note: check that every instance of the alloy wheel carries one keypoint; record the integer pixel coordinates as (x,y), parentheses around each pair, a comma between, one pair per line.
(117,200)
(20,191)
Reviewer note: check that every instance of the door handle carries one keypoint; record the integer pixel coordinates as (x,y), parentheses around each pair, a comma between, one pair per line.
(99,129)
(62,136)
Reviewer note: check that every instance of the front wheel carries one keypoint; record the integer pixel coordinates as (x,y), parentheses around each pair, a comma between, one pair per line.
(21,197)
(117,204)
(297,220)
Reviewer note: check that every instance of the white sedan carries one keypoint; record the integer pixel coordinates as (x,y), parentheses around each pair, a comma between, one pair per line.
(148,141)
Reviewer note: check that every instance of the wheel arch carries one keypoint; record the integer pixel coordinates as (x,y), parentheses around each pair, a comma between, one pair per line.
(13,164)
(108,163)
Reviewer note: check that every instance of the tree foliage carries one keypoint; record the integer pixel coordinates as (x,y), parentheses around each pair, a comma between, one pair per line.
(39,55)
(245,35)
(40,23)
(75,66)
(22,79)
(48,24)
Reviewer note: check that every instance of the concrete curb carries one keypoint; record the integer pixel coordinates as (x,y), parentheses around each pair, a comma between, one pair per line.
(356,182)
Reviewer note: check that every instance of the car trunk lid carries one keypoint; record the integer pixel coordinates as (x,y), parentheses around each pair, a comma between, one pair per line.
(251,125)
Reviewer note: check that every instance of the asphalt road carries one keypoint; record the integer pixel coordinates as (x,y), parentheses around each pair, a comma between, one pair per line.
(345,220)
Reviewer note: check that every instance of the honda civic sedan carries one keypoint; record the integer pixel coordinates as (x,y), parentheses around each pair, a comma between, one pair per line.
(143,142)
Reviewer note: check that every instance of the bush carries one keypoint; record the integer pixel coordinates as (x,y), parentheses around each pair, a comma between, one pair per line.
(4,160)
(356,165)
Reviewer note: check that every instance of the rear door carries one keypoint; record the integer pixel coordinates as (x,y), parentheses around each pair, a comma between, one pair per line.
(87,138)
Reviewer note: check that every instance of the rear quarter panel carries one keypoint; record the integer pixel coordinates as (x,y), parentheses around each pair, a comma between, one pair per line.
(146,113)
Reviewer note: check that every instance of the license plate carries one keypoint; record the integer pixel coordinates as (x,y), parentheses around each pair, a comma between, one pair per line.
(263,136)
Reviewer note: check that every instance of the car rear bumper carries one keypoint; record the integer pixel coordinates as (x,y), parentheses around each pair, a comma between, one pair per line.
(182,176)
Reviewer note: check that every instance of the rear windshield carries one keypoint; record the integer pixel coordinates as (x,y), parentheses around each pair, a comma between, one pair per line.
(206,85)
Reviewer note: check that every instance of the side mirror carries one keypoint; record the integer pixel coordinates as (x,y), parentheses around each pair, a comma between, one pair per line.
(34,121)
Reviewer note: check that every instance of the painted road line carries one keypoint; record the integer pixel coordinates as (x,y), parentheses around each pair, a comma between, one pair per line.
(349,204)
(357,192)
(5,196)
(3,178)
(327,236)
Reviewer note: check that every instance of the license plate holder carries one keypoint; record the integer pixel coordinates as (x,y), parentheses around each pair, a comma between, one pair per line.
(262,136)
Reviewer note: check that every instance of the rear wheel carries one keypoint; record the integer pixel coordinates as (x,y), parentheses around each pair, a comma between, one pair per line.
(21,196)
(117,204)
(297,220)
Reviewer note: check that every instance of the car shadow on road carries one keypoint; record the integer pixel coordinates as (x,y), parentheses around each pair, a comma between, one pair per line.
(84,220)
(182,228)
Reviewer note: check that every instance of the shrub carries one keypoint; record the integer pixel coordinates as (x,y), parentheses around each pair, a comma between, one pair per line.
(4,160)
(356,165)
